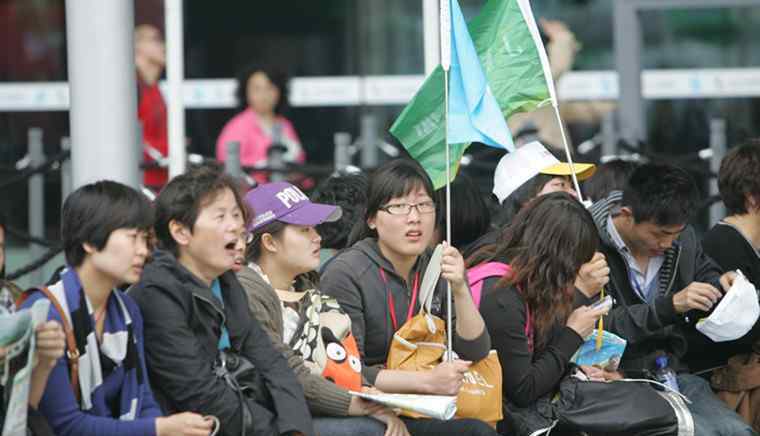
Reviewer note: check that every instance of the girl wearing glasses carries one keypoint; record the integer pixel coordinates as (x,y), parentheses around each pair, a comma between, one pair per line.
(376,283)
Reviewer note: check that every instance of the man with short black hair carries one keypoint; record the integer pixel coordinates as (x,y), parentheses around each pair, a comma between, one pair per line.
(662,282)
(196,316)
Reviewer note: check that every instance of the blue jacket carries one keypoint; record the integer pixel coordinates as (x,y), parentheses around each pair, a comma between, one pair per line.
(62,411)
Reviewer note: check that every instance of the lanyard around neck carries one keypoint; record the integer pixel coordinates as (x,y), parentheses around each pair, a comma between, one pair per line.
(392,303)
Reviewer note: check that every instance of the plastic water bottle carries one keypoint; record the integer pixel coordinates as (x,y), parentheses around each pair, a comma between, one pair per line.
(665,375)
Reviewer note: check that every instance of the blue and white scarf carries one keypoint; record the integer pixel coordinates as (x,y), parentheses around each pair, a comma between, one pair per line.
(117,352)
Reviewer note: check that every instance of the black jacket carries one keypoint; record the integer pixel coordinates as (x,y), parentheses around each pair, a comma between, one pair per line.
(726,245)
(183,322)
(651,329)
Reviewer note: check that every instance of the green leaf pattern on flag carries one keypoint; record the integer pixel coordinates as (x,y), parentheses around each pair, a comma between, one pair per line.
(509,57)
(513,68)
(422,131)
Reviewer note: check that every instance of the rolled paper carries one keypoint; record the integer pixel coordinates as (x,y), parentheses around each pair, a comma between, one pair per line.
(435,406)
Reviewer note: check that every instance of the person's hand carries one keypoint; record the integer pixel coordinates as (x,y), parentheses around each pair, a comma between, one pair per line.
(700,296)
(447,377)
(51,343)
(371,390)
(593,373)
(554,29)
(361,407)
(583,319)
(184,424)
(598,374)
(452,268)
(393,425)
(727,280)
(593,276)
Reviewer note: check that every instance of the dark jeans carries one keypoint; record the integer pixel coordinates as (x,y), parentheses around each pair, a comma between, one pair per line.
(455,427)
(711,416)
(348,426)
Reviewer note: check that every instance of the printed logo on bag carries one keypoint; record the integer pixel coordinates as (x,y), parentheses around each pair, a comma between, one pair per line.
(474,378)
(290,196)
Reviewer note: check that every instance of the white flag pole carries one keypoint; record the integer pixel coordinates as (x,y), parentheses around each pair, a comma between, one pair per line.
(567,152)
(527,14)
(446,64)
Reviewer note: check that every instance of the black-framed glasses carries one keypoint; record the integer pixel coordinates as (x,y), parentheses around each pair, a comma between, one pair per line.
(424,207)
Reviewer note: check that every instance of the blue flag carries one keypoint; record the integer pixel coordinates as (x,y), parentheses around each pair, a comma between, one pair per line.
(474,113)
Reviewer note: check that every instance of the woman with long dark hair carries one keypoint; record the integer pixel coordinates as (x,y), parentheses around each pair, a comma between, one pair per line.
(376,282)
(529,310)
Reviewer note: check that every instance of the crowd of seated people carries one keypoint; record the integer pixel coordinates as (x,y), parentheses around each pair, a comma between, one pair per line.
(218,310)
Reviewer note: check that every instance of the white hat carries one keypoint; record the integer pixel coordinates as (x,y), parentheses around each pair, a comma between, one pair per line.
(516,168)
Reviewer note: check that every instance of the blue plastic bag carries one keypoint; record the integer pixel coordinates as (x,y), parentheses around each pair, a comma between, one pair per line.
(607,358)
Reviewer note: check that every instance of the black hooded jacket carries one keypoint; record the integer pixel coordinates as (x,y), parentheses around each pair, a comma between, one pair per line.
(653,329)
(183,323)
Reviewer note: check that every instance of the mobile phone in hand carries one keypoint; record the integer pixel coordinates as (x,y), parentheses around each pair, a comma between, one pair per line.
(604,303)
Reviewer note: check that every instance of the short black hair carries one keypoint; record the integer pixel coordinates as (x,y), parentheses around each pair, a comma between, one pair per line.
(609,176)
(661,193)
(350,193)
(470,216)
(184,196)
(739,177)
(91,213)
(278,78)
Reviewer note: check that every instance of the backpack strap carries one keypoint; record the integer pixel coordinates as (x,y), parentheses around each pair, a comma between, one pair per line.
(72,352)
(477,274)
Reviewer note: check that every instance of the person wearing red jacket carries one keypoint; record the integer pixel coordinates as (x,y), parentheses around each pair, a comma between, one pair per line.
(150,60)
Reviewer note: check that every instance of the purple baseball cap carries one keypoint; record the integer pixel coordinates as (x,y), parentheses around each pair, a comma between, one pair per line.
(284,202)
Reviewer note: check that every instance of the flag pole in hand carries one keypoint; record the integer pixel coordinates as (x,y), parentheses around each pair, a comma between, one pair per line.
(445,32)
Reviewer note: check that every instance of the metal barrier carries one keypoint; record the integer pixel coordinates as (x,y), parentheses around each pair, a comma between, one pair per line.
(718,145)
(36,197)
(368,146)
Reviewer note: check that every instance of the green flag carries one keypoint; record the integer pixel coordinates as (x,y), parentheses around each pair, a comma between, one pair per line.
(513,59)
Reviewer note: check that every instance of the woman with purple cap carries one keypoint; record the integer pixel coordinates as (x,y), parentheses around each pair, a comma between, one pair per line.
(307,327)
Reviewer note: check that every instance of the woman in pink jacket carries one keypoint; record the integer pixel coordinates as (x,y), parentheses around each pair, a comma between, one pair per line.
(260,124)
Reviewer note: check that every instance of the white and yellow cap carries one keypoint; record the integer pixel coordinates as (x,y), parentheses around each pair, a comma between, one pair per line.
(582,170)
(516,168)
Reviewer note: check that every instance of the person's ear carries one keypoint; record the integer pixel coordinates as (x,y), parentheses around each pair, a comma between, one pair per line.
(89,248)
(180,233)
(269,243)
(371,223)
(627,213)
(752,203)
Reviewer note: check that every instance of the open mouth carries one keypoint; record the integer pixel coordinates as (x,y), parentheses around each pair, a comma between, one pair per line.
(230,249)
(414,235)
